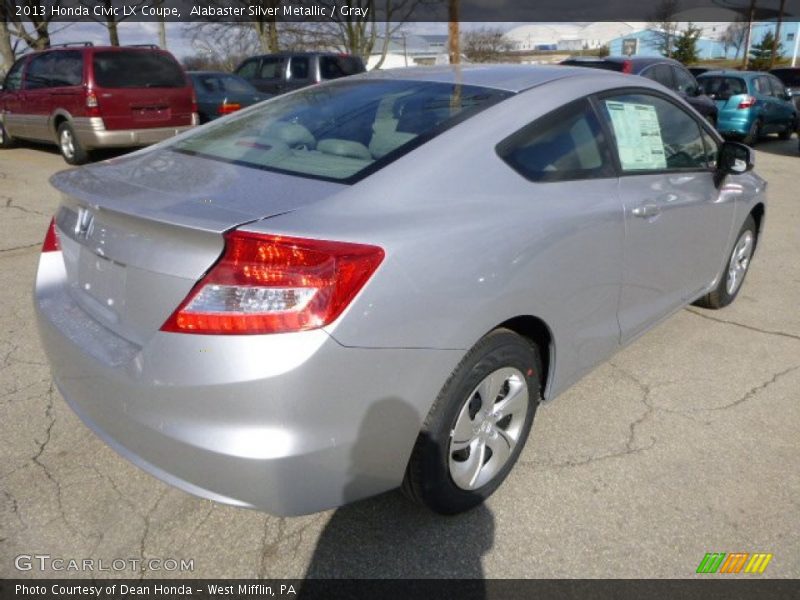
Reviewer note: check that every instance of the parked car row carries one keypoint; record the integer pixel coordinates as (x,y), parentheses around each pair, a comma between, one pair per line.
(84,97)
(744,105)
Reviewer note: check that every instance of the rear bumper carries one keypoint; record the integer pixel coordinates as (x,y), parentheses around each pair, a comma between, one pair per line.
(92,133)
(737,125)
(288,423)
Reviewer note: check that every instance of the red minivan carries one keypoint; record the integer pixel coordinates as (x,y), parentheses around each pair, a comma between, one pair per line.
(83,97)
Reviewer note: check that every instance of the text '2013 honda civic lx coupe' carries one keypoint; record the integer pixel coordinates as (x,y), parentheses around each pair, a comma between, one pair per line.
(372,283)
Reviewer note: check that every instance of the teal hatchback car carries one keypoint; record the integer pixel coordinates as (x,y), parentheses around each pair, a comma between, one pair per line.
(751,104)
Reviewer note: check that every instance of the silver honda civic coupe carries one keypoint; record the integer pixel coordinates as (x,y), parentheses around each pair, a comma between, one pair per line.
(372,283)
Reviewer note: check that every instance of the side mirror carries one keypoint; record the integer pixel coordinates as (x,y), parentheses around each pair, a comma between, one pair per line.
(735,158)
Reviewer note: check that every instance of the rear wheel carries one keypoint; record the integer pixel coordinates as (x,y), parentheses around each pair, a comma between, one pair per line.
(753,134)
(477,426)
(6,141)
(71,149)
(736,268)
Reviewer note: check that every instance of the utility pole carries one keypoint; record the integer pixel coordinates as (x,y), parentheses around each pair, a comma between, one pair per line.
(453,33)
(162,33)
(749,34)
(796,43)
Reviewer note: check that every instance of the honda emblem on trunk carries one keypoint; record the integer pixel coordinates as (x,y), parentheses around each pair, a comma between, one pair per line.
(85,224)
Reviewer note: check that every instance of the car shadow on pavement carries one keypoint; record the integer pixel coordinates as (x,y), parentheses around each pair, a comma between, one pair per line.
(390,537)
(773,145)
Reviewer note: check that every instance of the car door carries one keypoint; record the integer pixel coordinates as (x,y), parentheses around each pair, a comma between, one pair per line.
(577,228)
(770,105)
(787,114)
(37,96)
(11,100)
(676,224)
(66,94)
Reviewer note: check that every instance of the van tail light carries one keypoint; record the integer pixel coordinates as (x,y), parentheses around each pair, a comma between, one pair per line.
(227,108)
(51,238)
(92,106)
(272,284)
(627,67)
(747,102)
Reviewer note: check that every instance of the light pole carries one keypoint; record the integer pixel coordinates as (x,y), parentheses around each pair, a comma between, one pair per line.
(796,43)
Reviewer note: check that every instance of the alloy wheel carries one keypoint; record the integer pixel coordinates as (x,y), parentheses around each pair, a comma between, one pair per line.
(67,144)
(740,260)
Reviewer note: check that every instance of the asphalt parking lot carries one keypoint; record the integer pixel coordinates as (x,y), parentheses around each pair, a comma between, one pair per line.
(685,443)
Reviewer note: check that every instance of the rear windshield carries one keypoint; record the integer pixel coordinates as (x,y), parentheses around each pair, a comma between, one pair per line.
(606,65)
(333,67)
(341,131)
(722,86)
(137,69)
(789,77)
(213,83)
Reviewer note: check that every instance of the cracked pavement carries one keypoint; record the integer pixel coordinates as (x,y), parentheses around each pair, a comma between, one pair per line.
(685,442)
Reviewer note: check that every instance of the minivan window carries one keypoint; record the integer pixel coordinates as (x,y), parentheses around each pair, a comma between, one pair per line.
(13,79)
(36,77)
(340,131)
(333,67)
(55,69)
(136,69)
(563,145)
(271,68)
(653,134)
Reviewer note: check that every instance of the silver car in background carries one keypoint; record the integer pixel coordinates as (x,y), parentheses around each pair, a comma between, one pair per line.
(372,283)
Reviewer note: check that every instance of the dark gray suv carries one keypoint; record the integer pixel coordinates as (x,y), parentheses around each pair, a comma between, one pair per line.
(283,72)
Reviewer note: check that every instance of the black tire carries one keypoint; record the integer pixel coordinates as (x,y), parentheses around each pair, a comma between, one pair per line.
(786,134)
(428,479)
(754,134)
(6,141)
(71,149)
(720,296)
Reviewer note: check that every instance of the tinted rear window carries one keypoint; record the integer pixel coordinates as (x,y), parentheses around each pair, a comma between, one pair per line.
(789,77)
(137,69)
(341,131)
(595,64)
(333,67)
(719,86)
(219,84)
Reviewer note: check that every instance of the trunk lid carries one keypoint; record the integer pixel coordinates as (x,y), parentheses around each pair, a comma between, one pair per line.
(137,233)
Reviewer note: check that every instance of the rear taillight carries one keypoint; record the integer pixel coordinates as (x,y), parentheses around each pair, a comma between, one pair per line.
(92,106)
(747,102)
(51,238)
(227,108)
(272,284)
(627,66)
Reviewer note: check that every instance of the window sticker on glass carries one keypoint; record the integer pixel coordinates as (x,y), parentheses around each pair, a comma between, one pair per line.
(638,136)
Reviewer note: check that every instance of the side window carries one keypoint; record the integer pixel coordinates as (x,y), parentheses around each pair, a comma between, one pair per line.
(38,74)
(762,86)
(662,74)
(684,81)
(14,76)
(653,134)
(66,69)
(778,89)
(566,144)
(299,67)
(271,68)
(248,69)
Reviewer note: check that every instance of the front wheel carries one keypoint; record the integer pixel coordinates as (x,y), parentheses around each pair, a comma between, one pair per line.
(736,268)
(6,141)
(478,425)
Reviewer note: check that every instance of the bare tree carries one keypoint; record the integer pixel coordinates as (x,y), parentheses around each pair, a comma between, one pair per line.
(6,48)
(486,44)
(33,29)
(112,18)
(223,44)
(453,32)
(664,27)
(733,37)
(777,39)
(751,12)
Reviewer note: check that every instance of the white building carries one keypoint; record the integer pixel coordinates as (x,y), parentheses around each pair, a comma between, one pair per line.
(569,37)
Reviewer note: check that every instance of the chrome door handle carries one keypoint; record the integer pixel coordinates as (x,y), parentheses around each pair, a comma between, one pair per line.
(646,211)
